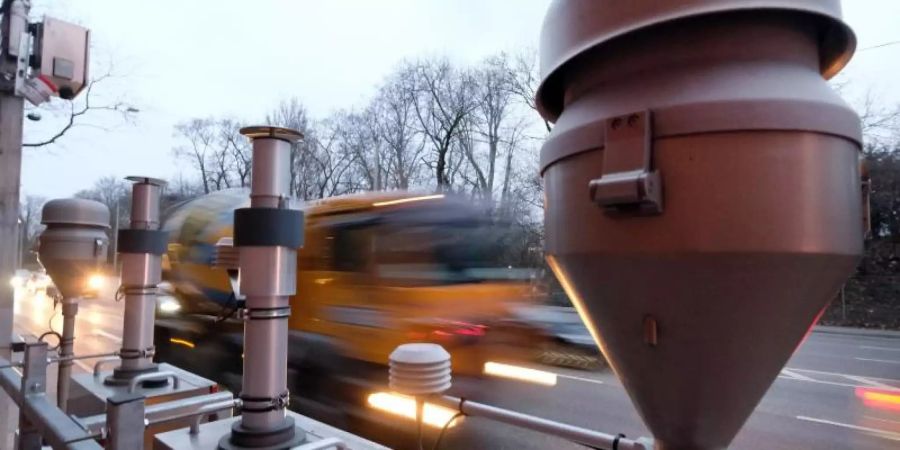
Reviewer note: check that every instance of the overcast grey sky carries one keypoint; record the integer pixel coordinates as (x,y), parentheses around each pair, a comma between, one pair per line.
(194,58)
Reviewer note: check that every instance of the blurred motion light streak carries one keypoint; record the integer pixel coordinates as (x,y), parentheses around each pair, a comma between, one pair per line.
(879,398)
(184,342)
(401,405)
(520,373)
(408,200)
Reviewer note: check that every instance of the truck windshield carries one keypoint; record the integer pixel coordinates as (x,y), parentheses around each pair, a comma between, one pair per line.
(438,254)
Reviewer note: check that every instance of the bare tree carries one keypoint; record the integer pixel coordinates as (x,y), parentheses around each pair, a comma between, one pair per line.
(220,162)
(523,79)
(76,112)
(490,123)
(199,143)
(181,188)
(360,140)
(291,113)
(879,123)
(30,224)
(113,192)
(237,148)
(443,99)
(395,122)
(328,165)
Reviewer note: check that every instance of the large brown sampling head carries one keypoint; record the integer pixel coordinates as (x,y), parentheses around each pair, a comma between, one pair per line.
(74,245)
(703,193)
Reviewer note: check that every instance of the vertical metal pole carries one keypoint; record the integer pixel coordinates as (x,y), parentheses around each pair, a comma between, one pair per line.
(15,20)
(19,244)
(66,348)
(268,280)
(115,237)
(34,382)
(125,421)
(843,307)
(11,113)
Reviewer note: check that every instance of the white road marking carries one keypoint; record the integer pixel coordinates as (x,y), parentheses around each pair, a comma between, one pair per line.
(831,383)
(814,371)
(109,336)
(795,375)
(869,382)
(572,377)
(845,375)
(872,347)
(885,361)
(875,431)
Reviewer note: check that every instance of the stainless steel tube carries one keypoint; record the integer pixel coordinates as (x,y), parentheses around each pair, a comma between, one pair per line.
(270,181)
(268,280)
(145,203)
(141,273)
(66,350)
(572,433)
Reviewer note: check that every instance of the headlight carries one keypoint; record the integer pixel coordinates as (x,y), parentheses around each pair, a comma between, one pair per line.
(169,305)
(95,282)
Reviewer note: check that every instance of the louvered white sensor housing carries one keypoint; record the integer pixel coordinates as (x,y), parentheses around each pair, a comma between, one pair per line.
(420,370)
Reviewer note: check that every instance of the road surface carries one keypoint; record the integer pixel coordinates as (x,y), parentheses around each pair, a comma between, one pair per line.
(814,404)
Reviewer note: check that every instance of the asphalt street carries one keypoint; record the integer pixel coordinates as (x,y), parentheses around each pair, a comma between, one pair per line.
(816,403)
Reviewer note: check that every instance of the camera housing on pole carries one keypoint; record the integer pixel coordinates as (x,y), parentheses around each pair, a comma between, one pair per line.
(60,57)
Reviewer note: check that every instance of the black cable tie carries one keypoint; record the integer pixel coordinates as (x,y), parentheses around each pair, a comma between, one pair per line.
(616,441)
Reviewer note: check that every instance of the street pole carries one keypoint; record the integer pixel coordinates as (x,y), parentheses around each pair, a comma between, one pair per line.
(66,349)
(20,258)
(114,237)
(15,20)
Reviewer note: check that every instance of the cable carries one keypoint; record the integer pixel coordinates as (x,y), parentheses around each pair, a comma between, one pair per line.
(120,293)
(50,326)
(420,417)
(48,333)
(52,316)
(886,44)
(237,305)
(437,442)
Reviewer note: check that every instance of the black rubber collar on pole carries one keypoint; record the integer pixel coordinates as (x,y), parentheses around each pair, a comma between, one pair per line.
(268,227)
(143,241)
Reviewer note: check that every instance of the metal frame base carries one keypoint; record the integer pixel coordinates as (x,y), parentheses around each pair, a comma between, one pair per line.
(285,437)
(210,435)
(121,377)
(89,393)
